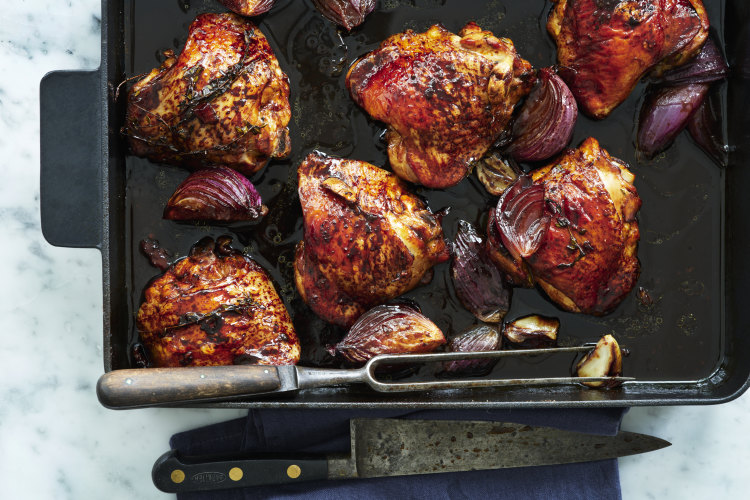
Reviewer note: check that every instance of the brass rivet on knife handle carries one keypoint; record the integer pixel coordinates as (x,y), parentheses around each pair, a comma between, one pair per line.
(152,386)
(293,471)
(177,476)
(235,473)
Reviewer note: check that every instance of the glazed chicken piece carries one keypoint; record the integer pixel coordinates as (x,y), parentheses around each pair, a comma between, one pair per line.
(224,100)
(604,47)
(216,307)
(248,7)
(592,204)
(586,259)
(446,98)
(367,238)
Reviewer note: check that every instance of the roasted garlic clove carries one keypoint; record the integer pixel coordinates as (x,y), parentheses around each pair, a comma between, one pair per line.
(605,360)
(497,173)
(478,339)
(389,329)
(532,331)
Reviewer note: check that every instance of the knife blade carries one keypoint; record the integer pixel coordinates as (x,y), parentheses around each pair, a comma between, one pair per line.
(391,447)
(133,388)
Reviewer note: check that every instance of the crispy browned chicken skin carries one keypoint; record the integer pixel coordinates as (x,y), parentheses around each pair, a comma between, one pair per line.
(592,204)
(216,307)
(587,259)
(224,100)
(446,98)
(367,238)
(605,46)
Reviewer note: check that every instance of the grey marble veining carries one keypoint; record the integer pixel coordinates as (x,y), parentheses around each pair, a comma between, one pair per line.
(57,442)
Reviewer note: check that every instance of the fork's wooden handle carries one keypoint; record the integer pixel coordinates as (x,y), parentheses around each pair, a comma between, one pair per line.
(134,388)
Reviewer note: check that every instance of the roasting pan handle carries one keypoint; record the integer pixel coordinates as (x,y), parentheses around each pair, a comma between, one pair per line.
(71,156)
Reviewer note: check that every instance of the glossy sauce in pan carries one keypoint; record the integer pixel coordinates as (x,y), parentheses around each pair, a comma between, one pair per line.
(672,329)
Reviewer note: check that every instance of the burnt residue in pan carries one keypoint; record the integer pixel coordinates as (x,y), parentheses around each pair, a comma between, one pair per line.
(674,337)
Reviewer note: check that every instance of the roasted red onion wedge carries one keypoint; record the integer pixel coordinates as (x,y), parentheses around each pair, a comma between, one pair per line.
(665,113)
(706,127)
(532,332)
(479,284)
(515,269)
(708,66)
(478,339)
(248,8)
(496,173)
(521,217)
(605,360)
(545,125)
(215,194)
(389,329)
(346,13)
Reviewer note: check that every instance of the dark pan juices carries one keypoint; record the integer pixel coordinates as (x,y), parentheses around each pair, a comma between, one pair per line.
(672,337)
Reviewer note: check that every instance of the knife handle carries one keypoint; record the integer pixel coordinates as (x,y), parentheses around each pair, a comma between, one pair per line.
(172,475)
(134,388)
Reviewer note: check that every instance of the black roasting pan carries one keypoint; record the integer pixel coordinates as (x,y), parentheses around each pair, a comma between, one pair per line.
(690,346)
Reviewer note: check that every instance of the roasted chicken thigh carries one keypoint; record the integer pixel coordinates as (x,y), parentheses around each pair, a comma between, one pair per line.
(367,238)
(446,98)
(224,100)
(605,46)
(581,226)
(216,307)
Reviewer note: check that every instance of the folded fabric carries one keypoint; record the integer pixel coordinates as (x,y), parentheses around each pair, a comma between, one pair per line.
(327,431)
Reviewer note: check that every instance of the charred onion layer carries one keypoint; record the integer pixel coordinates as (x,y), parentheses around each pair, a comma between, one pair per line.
(479,284)
(389,329)
(215,194)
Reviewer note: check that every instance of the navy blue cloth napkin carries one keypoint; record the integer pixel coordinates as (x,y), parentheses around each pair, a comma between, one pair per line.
(327,431)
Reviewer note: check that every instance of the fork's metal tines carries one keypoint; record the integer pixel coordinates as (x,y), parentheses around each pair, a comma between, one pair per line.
(392,359)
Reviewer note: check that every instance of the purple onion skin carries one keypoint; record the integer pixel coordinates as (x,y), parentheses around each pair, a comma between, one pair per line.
(665,113)
(706,127)
(521,218)
(546,122)
(346,13)
(515,269)
(389,329)
(480,339)
(706,67)
(479,284)
(215,194)
(248,7)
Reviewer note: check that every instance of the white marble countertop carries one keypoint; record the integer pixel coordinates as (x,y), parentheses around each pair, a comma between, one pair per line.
(56,441)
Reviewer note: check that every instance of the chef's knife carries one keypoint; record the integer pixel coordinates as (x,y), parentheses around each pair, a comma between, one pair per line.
(133,388)
(390,447)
